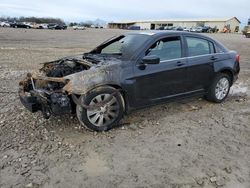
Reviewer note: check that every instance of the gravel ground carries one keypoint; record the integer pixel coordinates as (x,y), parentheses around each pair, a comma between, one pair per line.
(188,143)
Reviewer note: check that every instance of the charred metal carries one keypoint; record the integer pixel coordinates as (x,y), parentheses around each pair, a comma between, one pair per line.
(56,88)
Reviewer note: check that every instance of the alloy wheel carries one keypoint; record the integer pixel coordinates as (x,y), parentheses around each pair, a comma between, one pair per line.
(222,88)
(106,114)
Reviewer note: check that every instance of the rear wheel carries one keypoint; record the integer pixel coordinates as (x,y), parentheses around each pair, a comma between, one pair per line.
(105,117)
(219,89)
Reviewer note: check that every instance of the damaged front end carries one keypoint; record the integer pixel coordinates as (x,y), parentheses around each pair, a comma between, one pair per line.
(49,91)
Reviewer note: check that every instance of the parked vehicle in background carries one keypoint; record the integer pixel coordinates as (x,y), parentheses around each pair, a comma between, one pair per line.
(57,26)
(193,29)
(43,26)
(199,29)
(196,29)
(186,29)
(36,26)
(213,30)
(205,29)
(161,28)
(39,26)
(79,27)
(51,25)
(28,24)
(98,27)
(169,28)
(4,24)
(179,28)
(246,31)
(20,25)
(128,72)
(134,28)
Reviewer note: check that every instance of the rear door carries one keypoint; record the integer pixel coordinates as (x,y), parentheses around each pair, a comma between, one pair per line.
(201,56)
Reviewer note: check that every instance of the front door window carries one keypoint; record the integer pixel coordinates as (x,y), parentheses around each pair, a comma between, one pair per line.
(166,49)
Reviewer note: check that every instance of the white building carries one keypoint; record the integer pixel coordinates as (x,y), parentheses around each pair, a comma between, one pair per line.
(231,23)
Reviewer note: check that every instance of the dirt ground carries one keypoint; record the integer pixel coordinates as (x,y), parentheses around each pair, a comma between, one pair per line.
(189,143)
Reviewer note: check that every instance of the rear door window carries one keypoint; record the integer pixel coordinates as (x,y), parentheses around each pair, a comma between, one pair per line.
(198,46)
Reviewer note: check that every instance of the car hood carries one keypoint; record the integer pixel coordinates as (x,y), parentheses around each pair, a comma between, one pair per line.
(88,75)
(106,72)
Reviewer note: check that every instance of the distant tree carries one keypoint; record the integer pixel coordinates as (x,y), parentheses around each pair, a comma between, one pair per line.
(85,24)
(88,23)
(33,19)
(73,24)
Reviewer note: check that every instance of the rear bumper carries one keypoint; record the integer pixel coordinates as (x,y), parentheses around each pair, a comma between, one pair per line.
(237,71)
(236,76)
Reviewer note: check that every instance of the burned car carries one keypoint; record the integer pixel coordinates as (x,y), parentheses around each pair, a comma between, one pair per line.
(128,72)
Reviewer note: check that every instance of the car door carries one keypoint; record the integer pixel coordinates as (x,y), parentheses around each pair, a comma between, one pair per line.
(163,80)
(201,57)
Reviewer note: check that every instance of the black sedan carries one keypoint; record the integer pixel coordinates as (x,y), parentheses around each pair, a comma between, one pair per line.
(128,72)
(57,26)
(20,25)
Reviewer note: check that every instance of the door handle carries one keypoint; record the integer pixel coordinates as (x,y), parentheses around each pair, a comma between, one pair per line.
(179,63)
(213,58)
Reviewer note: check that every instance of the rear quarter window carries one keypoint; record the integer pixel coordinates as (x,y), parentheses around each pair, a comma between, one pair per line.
(218,49)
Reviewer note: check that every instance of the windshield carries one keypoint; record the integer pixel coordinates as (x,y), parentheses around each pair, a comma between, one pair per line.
(124,45)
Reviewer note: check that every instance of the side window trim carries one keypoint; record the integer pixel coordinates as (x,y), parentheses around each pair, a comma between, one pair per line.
(211,44)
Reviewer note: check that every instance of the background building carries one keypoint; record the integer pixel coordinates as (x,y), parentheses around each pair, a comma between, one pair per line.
(230,23)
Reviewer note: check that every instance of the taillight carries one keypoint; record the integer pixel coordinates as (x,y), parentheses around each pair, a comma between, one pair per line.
(238,58)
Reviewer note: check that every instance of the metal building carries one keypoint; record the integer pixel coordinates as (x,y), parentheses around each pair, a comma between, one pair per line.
(231,23)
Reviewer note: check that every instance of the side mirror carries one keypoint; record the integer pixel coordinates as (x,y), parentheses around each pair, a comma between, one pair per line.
(152,59)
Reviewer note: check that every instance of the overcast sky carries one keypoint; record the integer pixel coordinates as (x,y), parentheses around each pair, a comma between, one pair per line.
(117,10)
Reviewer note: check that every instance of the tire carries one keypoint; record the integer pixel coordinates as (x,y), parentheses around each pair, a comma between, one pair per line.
(109,114)
(219,89)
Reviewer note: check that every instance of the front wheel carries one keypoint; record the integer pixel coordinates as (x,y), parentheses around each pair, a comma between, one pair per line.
(107,115)
(219,89)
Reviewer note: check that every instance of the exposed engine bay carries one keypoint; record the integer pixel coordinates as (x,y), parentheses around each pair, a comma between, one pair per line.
(45,90)
(60,69)
(64,67)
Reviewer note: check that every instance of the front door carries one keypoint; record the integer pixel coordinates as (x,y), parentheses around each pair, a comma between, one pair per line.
(163,80)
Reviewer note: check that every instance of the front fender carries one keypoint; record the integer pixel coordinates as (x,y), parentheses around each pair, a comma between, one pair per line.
(80,83)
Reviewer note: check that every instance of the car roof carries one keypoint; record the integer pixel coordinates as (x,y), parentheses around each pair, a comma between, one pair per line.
(160,33)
